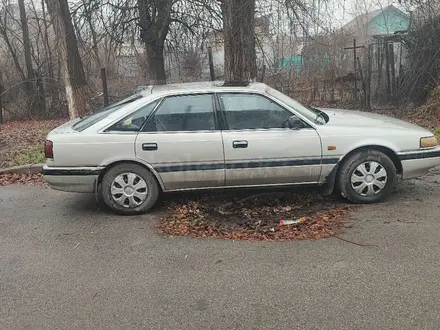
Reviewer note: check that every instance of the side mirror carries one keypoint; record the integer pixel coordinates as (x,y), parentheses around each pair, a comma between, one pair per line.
(295,123)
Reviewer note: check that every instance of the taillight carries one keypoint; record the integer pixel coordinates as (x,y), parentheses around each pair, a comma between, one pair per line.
(48,149)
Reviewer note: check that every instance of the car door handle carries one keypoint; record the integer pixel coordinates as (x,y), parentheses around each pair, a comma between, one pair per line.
(149,146)
(239,144)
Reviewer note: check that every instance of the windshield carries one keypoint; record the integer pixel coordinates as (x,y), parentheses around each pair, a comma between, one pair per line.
(90,120)
(307,112)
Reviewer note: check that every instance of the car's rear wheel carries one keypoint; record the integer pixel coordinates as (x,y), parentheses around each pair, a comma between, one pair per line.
(367,176)
(129,189)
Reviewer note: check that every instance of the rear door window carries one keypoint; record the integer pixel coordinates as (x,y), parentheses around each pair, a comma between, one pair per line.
(184,113)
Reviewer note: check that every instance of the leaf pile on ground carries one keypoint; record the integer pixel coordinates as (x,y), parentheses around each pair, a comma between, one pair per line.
(255,217)
(428,114)
(20,178)
(22,142)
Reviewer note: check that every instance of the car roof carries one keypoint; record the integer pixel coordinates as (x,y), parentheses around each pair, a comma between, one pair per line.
(204,86)
(157,91)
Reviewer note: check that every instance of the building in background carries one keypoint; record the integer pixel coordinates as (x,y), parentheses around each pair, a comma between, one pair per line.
(379,22)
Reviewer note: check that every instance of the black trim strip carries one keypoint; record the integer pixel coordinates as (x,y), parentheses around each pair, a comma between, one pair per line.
(58,172)
(206,167)
(330,161)
(420,155)
(243,165)
(190,167)
(274,163)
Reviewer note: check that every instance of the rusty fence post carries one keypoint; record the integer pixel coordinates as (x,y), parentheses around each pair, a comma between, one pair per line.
(211,64)
(104,86)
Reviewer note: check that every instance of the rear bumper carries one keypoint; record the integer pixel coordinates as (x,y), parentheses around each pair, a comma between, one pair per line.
(418,163)
(72,179)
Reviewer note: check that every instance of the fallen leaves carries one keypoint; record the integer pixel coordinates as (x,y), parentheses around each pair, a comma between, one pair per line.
(426,115)
(255,217)
(19,178)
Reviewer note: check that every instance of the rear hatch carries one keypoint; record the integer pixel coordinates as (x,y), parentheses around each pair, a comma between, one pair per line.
(65,128)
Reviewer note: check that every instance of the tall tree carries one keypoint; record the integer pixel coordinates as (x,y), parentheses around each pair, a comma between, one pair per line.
(77,91)
(154,22)
(239,39)
(47,46)
(6,20)
(30,79)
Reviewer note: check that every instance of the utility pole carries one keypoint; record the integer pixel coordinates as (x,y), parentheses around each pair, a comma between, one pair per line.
(211,64)
(104,86)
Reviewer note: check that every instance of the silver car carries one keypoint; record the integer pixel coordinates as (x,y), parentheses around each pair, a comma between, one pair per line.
(209,136)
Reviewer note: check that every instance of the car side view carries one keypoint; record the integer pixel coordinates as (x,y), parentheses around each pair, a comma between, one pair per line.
(209,136)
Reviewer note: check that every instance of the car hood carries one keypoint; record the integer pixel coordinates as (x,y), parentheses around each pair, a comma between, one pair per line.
(355,118)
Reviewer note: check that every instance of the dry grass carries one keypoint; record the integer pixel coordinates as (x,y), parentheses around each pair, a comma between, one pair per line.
(22,142)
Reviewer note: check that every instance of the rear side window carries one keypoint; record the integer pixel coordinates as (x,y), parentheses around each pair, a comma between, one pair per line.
(183,113)
(90,120)
(134,121)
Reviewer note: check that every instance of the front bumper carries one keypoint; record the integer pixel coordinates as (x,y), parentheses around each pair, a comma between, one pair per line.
(418,163)
(72,179)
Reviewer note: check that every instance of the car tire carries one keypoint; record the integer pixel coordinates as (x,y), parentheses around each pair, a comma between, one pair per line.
(367,176)
(129,189)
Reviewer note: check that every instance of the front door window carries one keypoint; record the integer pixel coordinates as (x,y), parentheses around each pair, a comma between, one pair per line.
(251,111)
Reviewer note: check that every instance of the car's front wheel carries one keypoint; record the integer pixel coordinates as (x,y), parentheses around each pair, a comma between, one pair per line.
(129,189)
(367,176)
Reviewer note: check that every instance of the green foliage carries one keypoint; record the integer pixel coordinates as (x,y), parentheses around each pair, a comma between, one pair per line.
(436,132)
(33,155)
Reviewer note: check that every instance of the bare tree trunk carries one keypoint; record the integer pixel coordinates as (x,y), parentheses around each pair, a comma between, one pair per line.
(14,55)
(154,30)
(89,19)
(239,36)
(30,77)
(47,44)
(156,64)
(1,99)
(77,92)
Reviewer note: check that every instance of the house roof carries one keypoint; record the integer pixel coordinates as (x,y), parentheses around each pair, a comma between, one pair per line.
(368,17)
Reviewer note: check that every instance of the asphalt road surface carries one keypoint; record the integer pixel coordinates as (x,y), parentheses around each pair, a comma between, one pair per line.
(64,264)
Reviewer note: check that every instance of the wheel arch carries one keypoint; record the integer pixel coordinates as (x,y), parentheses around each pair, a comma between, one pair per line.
(147,166)
(387,151)
(330,181)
